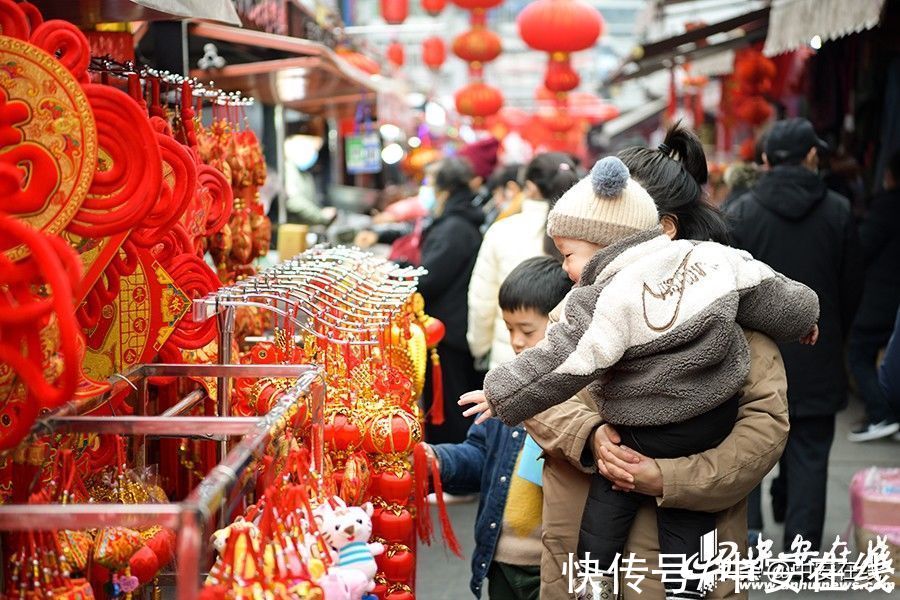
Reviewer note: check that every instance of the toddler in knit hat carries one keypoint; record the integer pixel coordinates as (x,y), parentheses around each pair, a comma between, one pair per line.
(653,330)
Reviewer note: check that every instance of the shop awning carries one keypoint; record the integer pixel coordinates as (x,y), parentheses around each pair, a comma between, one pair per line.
(705,41)
(298,73)
(795,22)
(90,12)
(605,135)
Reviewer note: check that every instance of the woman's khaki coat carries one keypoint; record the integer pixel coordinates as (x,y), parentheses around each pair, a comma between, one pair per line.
(717,480)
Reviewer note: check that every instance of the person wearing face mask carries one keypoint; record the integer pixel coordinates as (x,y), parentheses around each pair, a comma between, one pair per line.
(449,246)
(299,185)
(507,243)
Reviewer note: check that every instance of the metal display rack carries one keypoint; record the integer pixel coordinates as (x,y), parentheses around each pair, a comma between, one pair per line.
(342,295)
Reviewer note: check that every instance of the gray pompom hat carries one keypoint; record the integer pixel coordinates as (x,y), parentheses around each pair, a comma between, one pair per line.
(604,207)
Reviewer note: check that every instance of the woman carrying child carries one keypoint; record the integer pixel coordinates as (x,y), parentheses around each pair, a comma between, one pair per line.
(652,329)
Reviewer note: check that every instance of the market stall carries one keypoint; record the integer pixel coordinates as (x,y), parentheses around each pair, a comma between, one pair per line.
(147,445)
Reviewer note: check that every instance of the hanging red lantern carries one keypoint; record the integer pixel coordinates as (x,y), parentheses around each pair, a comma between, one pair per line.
(478,45)
(560,25)
(561,77)
(434,7)
(478,100)
(559,121)
(396,54)
(434,53)
(391,430)
(394,12)
(477,4)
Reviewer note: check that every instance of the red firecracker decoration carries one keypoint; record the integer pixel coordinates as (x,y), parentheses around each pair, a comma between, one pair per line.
(396,54)
(394,12)
(434,7)
(434,53)
(478,100)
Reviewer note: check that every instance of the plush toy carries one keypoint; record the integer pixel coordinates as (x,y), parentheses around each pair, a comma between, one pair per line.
(346,530)
(220,537)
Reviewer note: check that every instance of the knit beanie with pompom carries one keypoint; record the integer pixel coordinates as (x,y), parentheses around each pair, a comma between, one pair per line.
(604,207)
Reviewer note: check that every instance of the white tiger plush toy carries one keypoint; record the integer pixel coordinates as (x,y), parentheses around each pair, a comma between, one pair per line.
(346,530)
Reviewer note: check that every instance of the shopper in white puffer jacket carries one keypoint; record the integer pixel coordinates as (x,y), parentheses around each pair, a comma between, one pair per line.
(506,244)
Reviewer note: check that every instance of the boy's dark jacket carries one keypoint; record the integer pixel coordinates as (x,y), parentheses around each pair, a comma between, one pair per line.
(483,463)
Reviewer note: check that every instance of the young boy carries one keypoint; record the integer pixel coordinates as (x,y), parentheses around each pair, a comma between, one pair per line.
(496,460)
(653,331)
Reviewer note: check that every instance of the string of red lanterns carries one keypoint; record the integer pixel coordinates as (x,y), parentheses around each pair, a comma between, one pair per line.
(478,46)
(560,27)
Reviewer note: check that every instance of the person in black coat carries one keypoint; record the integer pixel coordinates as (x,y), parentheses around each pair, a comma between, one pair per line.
(880,241)
(791,221)
(449,249)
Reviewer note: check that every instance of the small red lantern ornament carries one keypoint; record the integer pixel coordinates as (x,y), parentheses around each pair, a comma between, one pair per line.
(394,524)
(434,53)
(396,54)
(393,486)
(394,12)
(478,100)
(341,432)
(434,7)
(392,429)
(561,77)
(478,45)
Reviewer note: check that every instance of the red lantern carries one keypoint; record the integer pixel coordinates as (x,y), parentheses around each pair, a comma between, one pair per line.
(341,433)
(392,430)
(393,487)
(434,7)
(394,12)
(755,110)
(559,121)
(560,25)
(561,77)
(434,53)
(396,54)
(477,4)
(478,100)
(395,526)
(478,45)
(398,563)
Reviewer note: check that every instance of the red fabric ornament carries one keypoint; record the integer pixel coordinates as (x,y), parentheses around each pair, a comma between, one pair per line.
(394,12)
(560,25)
(394,487)
(13,22)
(144,565)
(391,430)
(755,110)
(393,524)
(397,563)
(434,53)
(66,42)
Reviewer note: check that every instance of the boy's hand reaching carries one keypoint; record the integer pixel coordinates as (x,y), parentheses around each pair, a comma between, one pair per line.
(480,406)
(812,337)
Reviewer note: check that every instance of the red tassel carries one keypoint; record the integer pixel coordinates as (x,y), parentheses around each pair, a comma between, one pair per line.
(423,512)
(437,389)
(673,96)
(446,526)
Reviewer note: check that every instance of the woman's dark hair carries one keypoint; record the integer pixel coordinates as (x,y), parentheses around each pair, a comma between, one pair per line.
(553,173)
(538,283)
(674,175)
(454,175)
(504,175)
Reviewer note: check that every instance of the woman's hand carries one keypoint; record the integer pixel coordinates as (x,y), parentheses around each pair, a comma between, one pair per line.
(480,406)
(627,469)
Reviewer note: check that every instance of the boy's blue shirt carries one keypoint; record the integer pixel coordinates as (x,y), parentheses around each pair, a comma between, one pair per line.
(483,463)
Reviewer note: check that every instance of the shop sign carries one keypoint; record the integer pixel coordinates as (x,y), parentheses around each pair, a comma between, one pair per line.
(363,154)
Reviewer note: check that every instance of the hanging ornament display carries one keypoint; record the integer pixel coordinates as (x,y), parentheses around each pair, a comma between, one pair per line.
(434,53)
